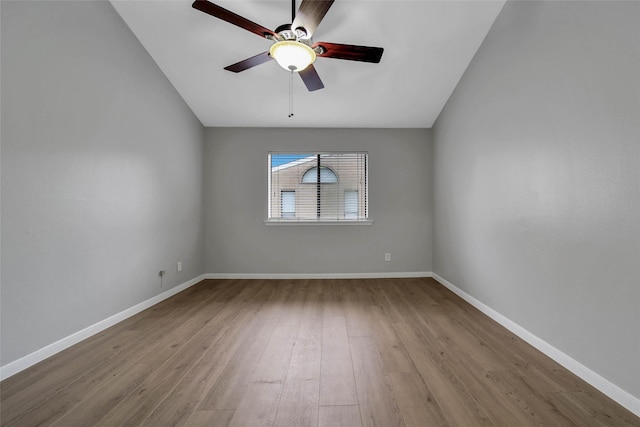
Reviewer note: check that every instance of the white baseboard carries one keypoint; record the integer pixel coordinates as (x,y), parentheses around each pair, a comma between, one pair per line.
(624,398)
(39,355)
(285,276)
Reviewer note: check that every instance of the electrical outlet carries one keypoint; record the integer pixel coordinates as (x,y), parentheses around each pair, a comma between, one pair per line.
(179,266)
(387,257)
(162,273)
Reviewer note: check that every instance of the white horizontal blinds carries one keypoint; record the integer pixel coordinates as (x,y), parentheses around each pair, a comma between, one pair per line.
(285,173)
(318,186)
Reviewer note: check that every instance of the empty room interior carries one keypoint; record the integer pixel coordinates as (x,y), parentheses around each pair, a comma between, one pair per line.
(432,219)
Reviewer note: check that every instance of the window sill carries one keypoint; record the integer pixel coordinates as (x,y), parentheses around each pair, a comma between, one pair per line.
(308,222)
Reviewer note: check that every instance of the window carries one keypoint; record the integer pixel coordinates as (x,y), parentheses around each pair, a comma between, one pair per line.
(326,176)
(318,187)
(351,204)
(287,204)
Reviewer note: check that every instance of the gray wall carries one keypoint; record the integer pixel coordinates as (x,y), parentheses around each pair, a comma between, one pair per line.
(238,241)
(101,173)
(537,198)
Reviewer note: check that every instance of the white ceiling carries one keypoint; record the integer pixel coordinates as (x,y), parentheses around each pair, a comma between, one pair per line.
(427,47)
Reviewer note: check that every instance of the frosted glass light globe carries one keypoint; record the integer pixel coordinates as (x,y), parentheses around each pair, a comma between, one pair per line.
(292,55)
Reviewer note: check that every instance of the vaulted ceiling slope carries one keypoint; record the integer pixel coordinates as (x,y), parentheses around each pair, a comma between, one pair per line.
(427,47)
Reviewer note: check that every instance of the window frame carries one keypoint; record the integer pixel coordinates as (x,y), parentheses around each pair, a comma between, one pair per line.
(319,221)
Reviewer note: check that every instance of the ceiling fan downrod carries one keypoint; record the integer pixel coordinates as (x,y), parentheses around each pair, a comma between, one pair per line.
(293,10)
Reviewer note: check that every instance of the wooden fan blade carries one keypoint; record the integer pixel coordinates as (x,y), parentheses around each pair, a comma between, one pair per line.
(311,78)
(261,58)
(232,18)
(350,52)
(310,14)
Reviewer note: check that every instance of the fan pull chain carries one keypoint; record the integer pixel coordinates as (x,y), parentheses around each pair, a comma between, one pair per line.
(291,94)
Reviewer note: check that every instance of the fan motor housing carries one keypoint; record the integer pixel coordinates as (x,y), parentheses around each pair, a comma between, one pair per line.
(285,32)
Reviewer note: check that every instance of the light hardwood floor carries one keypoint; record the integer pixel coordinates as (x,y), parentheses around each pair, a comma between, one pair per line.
(370,352)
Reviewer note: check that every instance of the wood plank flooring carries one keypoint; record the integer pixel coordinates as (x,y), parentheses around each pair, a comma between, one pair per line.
(366,352)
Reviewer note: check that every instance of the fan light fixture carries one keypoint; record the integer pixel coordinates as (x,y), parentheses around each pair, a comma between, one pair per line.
(292,55)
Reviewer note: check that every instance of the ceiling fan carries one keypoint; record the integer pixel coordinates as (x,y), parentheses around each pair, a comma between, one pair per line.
(293,47)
